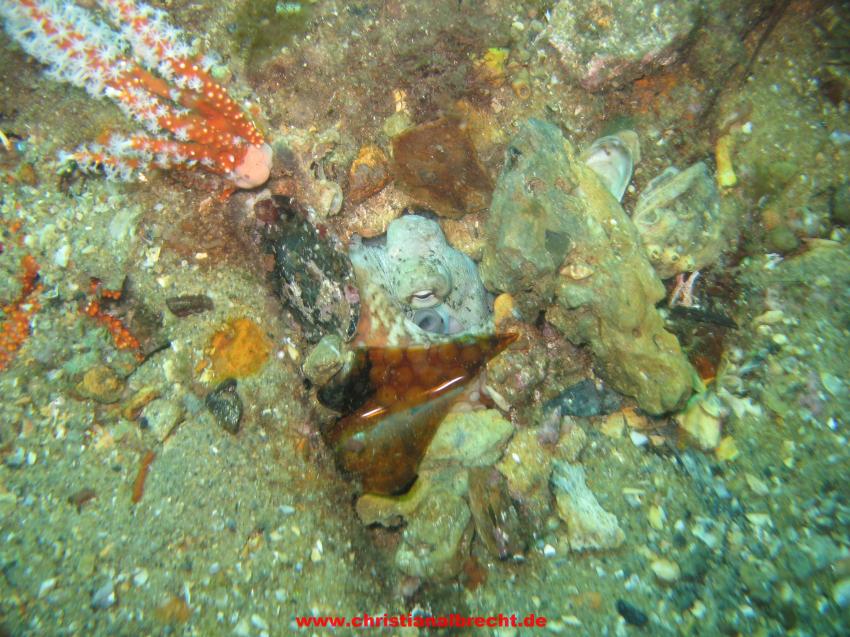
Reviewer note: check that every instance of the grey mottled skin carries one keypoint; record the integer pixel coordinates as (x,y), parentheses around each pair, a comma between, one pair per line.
(419,271)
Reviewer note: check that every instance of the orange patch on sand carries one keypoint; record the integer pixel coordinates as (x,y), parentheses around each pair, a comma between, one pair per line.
(239,349)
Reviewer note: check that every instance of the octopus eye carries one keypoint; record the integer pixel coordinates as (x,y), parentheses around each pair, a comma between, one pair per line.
(423,298)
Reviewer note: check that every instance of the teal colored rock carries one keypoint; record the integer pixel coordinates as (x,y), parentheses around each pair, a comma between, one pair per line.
(558,239)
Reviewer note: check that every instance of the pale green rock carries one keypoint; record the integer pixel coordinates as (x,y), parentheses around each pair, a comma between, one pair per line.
(471,439)
(589,526)
(558,239)
(436,541)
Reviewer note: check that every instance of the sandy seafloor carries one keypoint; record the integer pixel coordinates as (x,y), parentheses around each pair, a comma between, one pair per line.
(239,534)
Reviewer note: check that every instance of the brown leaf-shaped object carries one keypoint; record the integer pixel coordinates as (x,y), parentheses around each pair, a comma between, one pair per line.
(396,399)
(436,163)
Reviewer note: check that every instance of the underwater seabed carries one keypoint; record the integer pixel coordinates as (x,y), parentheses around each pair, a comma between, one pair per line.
(432,312)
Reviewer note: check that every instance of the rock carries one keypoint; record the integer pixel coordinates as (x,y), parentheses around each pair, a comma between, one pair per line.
(498,523)
(840,204)
(666,570)
(572,441)
(527,465)
(701,420)
(239,349)
(17,459)
(371,217)
(314,279)
(758,578)
(471,439)
(437,164)
(679,220)
(104,596)
(325,359)
(225,405)
(368,174)
(632,614)
(589,526)
(781,239)
(585,398)
(605,43)
(188,304)
(435,543)
(162,417)
(567,244)
(841,592)
(101,384)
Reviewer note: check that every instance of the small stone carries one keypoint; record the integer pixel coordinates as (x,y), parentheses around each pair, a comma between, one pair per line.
(101,384)
(782,240)
(589,526)
(833,384)
(242,628)
(471,439)
(61,256)
(17,459)
(841,592)
(162,417)
(631,614)
(666,570)
(727,449)
(701,420)
(258,622)
(104,597)
(585,398)
(638,439)
(799,564)
(549,551)
(368,174)
(225,404)
(656,517)
(188,304)
(756,485)
(47,586)
(140,577)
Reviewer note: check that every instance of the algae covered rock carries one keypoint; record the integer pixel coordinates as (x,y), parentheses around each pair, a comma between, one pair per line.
(436,541)
(558,239)
(605,43)
(471,439)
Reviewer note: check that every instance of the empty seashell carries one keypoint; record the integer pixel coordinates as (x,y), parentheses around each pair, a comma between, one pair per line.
(613,158)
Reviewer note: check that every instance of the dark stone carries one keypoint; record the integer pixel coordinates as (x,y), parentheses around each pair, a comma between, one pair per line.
(314,279)
(189,304)
(585,398)
(224,403)
(631,614)
(498,522)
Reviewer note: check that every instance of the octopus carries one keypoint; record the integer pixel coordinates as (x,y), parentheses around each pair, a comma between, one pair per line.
(425,334)
(415,288)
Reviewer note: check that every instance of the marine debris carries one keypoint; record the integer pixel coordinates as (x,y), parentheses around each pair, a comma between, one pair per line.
(144,66)
(395,399)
